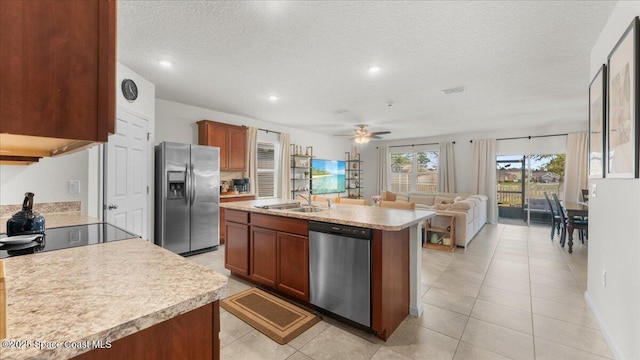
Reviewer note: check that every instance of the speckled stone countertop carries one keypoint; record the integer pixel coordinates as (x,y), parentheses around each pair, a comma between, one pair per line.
(99,292)
(53,220)
(236,195)
(354,215)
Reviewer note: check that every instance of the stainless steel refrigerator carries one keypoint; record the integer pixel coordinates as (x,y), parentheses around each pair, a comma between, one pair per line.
(187,201)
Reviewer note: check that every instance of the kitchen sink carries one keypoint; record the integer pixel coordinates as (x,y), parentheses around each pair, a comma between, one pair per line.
(307,209)
(282,206)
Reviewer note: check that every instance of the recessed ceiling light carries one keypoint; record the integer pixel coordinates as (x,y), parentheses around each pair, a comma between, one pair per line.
(165,63)
(374,69)
(273,98)
(455,90)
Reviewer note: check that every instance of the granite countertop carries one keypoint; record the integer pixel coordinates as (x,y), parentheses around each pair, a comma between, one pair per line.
(53,220)
(99,292)
(355,215)
(236,195)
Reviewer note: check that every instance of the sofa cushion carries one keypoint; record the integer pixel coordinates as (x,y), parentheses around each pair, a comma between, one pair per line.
(442,206)
(462,205)
(443,199)
(402,197)
(424,207)
(425,199)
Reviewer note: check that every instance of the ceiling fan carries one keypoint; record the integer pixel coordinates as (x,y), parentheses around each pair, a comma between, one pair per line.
(363,136)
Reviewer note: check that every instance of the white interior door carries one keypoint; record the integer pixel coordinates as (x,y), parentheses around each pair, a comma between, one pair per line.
(126,187)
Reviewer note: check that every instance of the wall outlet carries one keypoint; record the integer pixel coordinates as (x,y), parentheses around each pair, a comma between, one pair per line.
(604,278)
(74,187)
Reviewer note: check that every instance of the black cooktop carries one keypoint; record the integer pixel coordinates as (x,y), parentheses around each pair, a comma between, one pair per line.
(67,237)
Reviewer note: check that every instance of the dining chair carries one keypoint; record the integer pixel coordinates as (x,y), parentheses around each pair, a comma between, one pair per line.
(398,205)
(351,201)
(585,195)
(555,217)
(578,224)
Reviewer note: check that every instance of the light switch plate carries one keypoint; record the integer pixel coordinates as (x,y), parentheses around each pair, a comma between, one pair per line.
(594,191)
(74,187)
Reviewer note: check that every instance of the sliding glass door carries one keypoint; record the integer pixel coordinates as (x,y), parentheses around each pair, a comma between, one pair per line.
(522,181)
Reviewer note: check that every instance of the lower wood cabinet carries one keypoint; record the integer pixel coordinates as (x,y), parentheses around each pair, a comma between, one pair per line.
(275,250)
(236,251)
(223,212)
(293,265)
(193,335)
(263,260)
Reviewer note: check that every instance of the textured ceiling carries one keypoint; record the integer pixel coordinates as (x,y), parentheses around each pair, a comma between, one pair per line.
(523,63)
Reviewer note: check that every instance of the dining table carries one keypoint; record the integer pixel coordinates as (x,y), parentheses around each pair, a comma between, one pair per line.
(575,209)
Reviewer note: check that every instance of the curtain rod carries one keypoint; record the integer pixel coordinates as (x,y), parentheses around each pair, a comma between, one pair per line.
(528,137)
(393,146)
(270,131)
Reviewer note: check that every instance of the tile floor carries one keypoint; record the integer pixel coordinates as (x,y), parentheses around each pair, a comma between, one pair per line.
(514,294)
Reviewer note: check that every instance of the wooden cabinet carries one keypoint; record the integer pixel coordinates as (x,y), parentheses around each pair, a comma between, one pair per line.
(223,212)
(193,335)
(440,232)
(262,255)
(57,77)
(278,251)
(236,250)
(293,265)
(231,139)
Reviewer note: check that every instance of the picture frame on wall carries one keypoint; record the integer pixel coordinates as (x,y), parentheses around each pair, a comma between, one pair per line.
(622,102)
(597,126)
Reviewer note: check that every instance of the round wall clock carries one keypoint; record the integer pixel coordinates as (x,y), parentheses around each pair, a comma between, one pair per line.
(129,89)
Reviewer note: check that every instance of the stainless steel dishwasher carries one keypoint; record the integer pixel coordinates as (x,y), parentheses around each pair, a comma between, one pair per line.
(340,270)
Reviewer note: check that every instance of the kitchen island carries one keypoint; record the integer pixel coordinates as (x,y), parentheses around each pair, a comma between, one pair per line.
(121,299)
(270,247)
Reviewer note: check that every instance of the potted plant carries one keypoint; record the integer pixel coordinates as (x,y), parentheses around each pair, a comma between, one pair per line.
(306,174)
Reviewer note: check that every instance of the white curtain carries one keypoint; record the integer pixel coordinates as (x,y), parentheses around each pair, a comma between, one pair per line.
(575,166)
(285,167)
(252,157)
(446,171)
(382,180)
(483,170)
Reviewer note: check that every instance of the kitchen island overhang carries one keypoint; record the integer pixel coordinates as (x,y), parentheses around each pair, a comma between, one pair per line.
(397,235)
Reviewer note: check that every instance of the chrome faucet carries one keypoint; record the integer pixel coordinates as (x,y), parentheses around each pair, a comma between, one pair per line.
(308,198)
(328,204)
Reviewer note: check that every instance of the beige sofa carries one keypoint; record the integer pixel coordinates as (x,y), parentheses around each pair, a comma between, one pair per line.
(470,210)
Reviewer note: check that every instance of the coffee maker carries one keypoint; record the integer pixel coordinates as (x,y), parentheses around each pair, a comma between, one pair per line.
(242,185)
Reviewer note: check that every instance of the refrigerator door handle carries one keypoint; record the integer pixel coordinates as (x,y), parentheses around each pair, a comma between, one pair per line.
(188,185)
(193,184)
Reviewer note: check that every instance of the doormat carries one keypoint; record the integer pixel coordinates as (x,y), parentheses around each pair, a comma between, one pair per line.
(272,316)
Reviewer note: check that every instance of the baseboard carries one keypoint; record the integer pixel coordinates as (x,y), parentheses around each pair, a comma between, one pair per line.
(617,354)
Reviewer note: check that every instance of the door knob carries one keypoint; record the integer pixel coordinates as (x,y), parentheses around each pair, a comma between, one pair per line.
(112,207)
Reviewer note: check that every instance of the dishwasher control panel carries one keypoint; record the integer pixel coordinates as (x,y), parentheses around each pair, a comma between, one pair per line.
(343,230)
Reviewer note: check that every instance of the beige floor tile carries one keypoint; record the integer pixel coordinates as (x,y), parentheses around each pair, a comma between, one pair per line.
(235,285)
(500,282)
(506,298)
(522,276)
(577,337)
(469,352)
(299,356)
(335,343)
(417,342)
(554,282)
(459,274)
(444,321)
(302,339)
(232,328)
(545,270)
(557,295)
(508,317)
(577,315)
(448,300)
(498,339)
(386,354)
(460,287)
(513,258)
(255,345)
(549,350)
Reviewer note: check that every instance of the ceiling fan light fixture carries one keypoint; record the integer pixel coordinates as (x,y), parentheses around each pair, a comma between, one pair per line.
(362,139)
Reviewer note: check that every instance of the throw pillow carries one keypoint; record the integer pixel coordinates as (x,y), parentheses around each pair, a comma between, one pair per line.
(457,198)
(442,206)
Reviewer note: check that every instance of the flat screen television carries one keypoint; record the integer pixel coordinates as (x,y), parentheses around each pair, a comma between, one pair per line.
(328,176)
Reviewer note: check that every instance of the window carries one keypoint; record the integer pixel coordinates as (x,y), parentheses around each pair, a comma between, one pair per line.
(267,169)
(414,171)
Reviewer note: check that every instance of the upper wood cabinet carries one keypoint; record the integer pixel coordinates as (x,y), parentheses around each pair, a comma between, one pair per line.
(57,77)
(231,139)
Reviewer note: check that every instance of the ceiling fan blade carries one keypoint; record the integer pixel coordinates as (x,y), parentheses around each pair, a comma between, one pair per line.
(375,137)
(380,133)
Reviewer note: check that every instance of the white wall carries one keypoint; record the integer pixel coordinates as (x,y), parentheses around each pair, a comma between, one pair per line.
(177,122)
(47,179)
(462,150)
(614,228)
